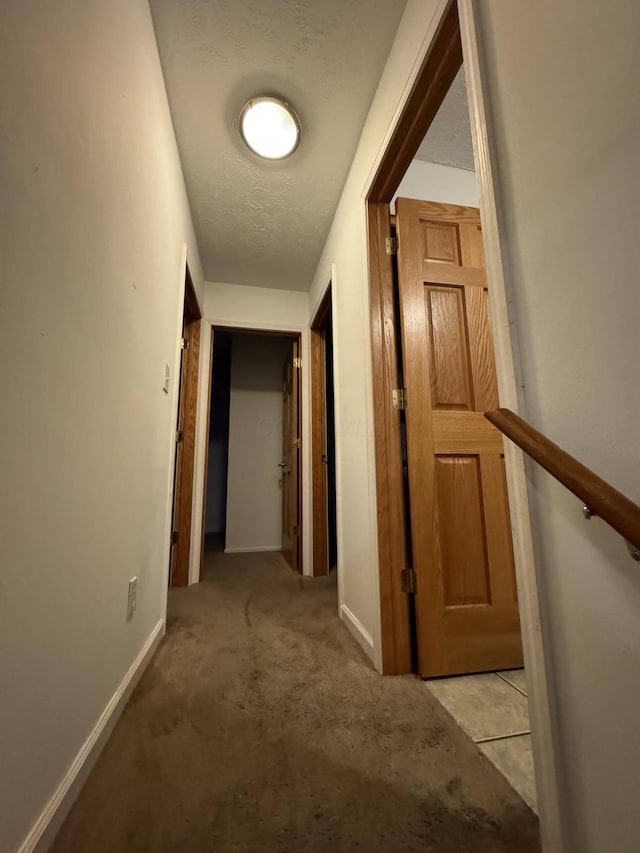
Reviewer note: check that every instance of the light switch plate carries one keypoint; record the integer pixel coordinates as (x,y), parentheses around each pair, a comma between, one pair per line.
(167,377)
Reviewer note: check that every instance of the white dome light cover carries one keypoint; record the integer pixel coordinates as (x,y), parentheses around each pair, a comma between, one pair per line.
(270,127)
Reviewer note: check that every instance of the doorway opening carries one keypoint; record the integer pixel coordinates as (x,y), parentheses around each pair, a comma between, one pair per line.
(218,448)
(448,593)
(180,553)
(253,489)
(323,440)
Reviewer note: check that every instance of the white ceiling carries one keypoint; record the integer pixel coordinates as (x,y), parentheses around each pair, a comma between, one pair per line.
(257,222)
(448,140)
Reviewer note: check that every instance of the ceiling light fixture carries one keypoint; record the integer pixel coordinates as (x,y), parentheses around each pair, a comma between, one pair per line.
(270,128)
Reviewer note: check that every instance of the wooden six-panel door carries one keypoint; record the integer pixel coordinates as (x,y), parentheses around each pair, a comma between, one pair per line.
(466,601)
(180,553)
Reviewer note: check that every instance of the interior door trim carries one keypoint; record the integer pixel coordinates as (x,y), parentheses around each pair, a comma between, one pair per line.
(439,68)
(298,334)
(319,495)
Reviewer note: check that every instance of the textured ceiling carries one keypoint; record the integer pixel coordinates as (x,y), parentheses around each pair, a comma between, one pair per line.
(448,140)
(258,222)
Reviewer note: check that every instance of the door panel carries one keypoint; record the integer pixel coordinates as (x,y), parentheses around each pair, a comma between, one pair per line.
(291,487)
(319,452)
(441,242)
(467,617)
(463,545)
(185,437)
(449,365)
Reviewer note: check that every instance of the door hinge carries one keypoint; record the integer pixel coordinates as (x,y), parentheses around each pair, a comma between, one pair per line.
(179,436)
(296,443)
(184,343)
(399,398)
(297,362)
(295,529)
(409,581)
(391,245)
(174,537)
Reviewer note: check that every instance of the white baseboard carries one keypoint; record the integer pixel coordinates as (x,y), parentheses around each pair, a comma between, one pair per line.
(357,629)
(46,827)
(252,550)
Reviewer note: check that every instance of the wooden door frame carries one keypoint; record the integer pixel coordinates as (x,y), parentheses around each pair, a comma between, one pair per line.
(455,37)
(296,386)
(433,81)
(319,492)
(294,334)
(186,417)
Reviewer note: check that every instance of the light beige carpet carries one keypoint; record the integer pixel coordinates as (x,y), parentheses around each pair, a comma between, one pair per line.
(261,726)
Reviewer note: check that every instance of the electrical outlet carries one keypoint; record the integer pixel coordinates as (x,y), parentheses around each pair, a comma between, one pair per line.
(132,599)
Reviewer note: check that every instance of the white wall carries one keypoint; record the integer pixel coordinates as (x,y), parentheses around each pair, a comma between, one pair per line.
(234,304)
(94,219)
(345,253)
(433,182)
(562,81)
(254,494)
(240,306)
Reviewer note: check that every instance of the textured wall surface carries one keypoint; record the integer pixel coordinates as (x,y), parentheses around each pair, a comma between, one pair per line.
(257,222)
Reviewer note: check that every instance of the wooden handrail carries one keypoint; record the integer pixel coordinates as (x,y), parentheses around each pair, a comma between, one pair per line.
(601,498)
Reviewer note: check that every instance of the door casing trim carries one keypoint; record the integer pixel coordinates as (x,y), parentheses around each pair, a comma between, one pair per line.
(319,491)
(302,333)
(186,268)
(441,61)
(376,197)
(332,280)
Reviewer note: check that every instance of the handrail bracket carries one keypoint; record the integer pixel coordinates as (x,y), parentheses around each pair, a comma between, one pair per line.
(635,552)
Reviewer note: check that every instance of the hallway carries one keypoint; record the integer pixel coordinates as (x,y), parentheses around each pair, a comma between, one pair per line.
(260,725)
